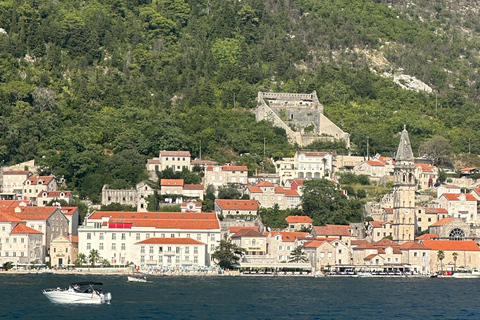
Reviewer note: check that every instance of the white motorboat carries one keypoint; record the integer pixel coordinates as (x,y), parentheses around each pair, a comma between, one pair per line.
(135,278)
(364,274)
(79,293)
(466,274)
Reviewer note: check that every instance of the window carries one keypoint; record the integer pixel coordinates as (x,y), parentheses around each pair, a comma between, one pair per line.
(212,247)
(199,236)
(147,236)
(89,246)
(169,259)
(123,246)
(124,236)
(89,236)
(322,254)
(114,246)
(177,259)
(114,236)
(151,258)
(195,260)
(142,258)
(142,249)
(137,236)
(160,259)
(101,236)
(195,250)
(414,254)
(172,235)
(212,237)
(100,246)
(151,250)
(187,250)
(162,235)
(160,249)
(177,249)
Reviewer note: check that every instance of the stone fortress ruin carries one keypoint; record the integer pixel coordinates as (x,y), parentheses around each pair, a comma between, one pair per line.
(301,115)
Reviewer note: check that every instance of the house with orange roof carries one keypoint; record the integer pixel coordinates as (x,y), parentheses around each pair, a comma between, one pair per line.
(295,184)
(380,255)
(377,230)
(426,236)
(63,250)
(254,242)
(136,197)
(171,253)
(178,190)
(341,232)
(416,256)
(426,175)
(476,193)
(175,160)
(460,205)
(328,254)
(223,175)
(376,168)
(467,254)
(45,197)
(73,216)
(20,244)
(426,216)
(268,195)
(448,188)
(13,181)
(451,228)
(282,243)
(235,207)
(297,223)
(114,234)
(468,171)
(36,184)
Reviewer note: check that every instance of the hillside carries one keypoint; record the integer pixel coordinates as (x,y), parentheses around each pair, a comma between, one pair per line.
(91,89)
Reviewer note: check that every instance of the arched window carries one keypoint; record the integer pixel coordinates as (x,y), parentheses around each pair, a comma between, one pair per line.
(457,234)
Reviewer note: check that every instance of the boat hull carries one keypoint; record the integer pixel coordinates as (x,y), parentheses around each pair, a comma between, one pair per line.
(134,279)
(70,296)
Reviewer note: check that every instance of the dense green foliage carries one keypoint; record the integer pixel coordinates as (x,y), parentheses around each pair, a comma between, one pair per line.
(91,89)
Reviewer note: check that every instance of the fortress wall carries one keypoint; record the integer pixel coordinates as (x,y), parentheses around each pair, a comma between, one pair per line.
(330,128)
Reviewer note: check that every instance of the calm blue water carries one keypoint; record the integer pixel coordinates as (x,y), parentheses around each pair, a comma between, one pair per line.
(247,298)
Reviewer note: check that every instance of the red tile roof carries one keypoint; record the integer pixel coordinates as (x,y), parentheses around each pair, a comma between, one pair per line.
(74,239)
(427,236)
(370,256)
(388,210)
(358,242)
(234,168)
(333,230)
(165,153)
(443,222)
(455,196)
(298,219)
(54,194)
(30,213)
(153,161)
(193,186)
(184,224)
(68,211)
(376,163)
(425,167)
(254,189)
(4,217)
(45,179)
(314,243)
(386,243)
(171,182)
(313,153)
(377,224)
(21,228)
(197,204)
(287,192)
(289,236)
(170,241)
(12,203)
(467,169)
(264,184)
(413,246)
(234,204)
(235,229)
(451,245)
(431,210)
(247,233)
(365,246)
(153,215)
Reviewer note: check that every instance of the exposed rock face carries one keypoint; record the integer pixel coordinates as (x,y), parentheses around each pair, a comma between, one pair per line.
(411,83)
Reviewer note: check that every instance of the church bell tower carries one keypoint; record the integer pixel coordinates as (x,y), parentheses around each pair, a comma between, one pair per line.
(404,187)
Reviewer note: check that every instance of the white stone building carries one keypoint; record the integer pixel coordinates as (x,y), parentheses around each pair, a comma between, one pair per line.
(223,175)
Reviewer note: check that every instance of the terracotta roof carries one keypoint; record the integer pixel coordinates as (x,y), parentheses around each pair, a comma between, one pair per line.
(68,211)
(413,246)
(443,222)
(235,229)
(234,168)
(203,162)
(477,190)
(425,167)
(455,196)
(170,241)
(388,210)
(376,163)
(193,186)
(370,256)
(450,186)
(234,204)
(467,169)
(21,228)
(153,161)
(287,192)
(4,217)
(247,233)
(451,245)
(298,219)
(171,182)
(264,184)
(12,203)
(427,236)
(386,243)
(30,213)
(197,204)
(54,194)
(377,224)
(386,159)
(16,172)
(74,239)
(289,236)
(358,242)
(45,179)
(165,153)
(314,243)
(365,246)
(299,182)
(200,224)
(435,210)
(333,230)
(254,189)
(152,215)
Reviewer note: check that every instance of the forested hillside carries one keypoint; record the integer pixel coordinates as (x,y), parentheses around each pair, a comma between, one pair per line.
(91,89)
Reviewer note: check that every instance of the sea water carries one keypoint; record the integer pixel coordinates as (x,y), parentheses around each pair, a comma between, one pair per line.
(246,297)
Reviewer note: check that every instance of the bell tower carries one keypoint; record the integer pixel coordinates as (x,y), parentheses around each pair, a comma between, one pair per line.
(404,187)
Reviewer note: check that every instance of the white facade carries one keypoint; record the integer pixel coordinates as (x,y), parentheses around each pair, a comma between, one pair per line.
(313,165)
(223,175)
(115,234)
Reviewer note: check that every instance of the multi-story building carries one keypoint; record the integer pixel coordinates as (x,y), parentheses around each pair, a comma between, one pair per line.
(313,165)
(118,235)
(460,205)
(178,190)
(176,160)
(13,182)
(282,243)
(426,175)
(341,232)
(376,168)
(34,185)
(45,197)
(297,223)
(268,196)
(236,207)
(63,250)
(19,244)
(223,175)
(426,216)
(448,188)
(251,240)
(72,214)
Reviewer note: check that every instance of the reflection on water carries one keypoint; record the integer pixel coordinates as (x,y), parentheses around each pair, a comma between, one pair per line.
(247,298)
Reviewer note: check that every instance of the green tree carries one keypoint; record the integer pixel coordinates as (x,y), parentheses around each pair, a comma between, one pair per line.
(81,259)
(441,256)
(298,255)
(227,254)
(438,149)
(93,257)
(229,192)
